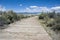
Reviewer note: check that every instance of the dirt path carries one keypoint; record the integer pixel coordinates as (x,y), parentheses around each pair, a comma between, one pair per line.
(26,29)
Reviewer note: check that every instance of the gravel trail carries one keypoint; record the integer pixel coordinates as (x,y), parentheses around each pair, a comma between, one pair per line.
(26,29)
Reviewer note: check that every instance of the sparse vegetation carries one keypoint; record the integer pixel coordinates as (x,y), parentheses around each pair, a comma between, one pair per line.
(51,22)
(10,17)
(51,19)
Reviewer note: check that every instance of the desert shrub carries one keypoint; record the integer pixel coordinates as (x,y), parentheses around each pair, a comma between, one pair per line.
(57,20)
(12,15)
(56,27)
(21,16)
(42,15)
(3,21)
(54,23)
(8,17)
(51,14)
(26,16)
(50,24)
(57,23)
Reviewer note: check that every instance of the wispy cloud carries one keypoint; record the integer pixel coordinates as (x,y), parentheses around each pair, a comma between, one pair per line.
(2,8)
(36,9)
(56,8)
(33,6)
(40,9)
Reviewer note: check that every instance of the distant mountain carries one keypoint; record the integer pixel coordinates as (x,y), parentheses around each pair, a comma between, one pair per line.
(29,12)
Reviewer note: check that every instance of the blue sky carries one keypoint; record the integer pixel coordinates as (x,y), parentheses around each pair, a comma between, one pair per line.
(25,5)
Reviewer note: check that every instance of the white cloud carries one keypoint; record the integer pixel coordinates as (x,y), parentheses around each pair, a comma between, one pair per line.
(40,9)
(44,9)
(56,8)
(36,9)
(27,10)
(33,6)
(2,8)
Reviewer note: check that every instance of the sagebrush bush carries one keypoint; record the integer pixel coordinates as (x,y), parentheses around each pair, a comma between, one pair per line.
(41,17)
(8,17)
(51,20)
(3,21)
(56,27)
(50,24)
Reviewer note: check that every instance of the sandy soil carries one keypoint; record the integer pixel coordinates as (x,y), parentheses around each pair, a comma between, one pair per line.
(26,29)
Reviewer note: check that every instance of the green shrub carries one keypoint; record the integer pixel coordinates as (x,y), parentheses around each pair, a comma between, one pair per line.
(42,15)
(51,20)
(50,24)
(8,17)
(56,27)
(3,21)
